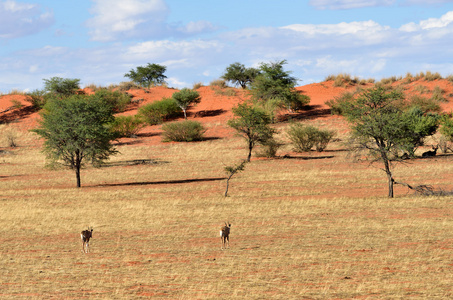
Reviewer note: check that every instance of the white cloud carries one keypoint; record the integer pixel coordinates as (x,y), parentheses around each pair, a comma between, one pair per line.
(119,19)
(21,19)
(348,4)
(425,2)
(114,18)
(369,27)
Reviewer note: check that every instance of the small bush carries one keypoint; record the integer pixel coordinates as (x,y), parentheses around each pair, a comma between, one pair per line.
(127,126)
(116,100)
(438,95)
(93,87)
(10,137)
(220,83)
(424,103)
(37,98)
(197,85)
(421,89)
(269,148)
(159,111)
(184,131)
(432,76)
(304,138)
(336,104)
(128,85)
(17,104)
(230,92)
(322,139)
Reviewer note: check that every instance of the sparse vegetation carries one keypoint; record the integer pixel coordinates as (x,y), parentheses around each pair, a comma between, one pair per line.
(307,226)
(126,86)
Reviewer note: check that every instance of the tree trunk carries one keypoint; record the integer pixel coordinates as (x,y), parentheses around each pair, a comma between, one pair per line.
(228,183)
(185,115)
(391,181)
(389,174)
(78,166)
(77,170)
(250,151)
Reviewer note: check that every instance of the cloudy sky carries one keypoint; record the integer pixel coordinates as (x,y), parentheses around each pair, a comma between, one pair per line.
(98,41)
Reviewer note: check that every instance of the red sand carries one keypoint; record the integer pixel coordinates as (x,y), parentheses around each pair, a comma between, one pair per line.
(214,110)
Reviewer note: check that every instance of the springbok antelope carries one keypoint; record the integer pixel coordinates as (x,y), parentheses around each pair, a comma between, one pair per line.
(431,153)
(225,235)
(86,235)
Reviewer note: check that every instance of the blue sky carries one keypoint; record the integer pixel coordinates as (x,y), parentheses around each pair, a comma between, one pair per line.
(98,41)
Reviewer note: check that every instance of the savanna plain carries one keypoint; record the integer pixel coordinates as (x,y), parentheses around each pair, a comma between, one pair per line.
(304,226)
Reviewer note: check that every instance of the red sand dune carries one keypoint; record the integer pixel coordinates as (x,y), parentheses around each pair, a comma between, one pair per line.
(214,109)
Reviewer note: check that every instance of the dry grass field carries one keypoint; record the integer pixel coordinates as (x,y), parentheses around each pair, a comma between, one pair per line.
(304,226)
(313,226)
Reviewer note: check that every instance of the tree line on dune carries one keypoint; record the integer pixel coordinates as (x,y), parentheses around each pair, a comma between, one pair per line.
(80,128)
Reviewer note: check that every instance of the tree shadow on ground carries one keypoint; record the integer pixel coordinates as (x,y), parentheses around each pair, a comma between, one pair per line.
(180,181)
(309,112)
(208,113)
(307,157)
(133,162)
(13,114)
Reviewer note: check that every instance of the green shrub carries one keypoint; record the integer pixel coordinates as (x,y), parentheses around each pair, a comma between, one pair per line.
(128,85)
(337,104)
(37,98)
(230,92)
(438,95)
(184,131)
(322,139)
(424,103)
(197,85)
(127,126)
(269,148)
(159,111)
(116,100)
(429,76)
(220,83)
(304,138)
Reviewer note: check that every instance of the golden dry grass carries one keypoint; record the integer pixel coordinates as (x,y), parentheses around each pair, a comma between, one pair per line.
(315,226)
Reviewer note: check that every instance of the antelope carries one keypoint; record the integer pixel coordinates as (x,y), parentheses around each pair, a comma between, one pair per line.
(225,235)
(430,153)
(86,235)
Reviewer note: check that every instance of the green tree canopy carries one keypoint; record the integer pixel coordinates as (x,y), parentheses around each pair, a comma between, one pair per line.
(238,74)
(186,97)
(253,124)
(274,82)
(147,75)
(380,127)
(61,86)
(75,131)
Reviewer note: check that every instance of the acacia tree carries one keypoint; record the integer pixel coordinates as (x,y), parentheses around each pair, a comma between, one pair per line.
(238,74)
(62,87)
(147,75)
(75,131)
(231,170)
(274,83)
(382,129)
(185,97)
(253,124)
